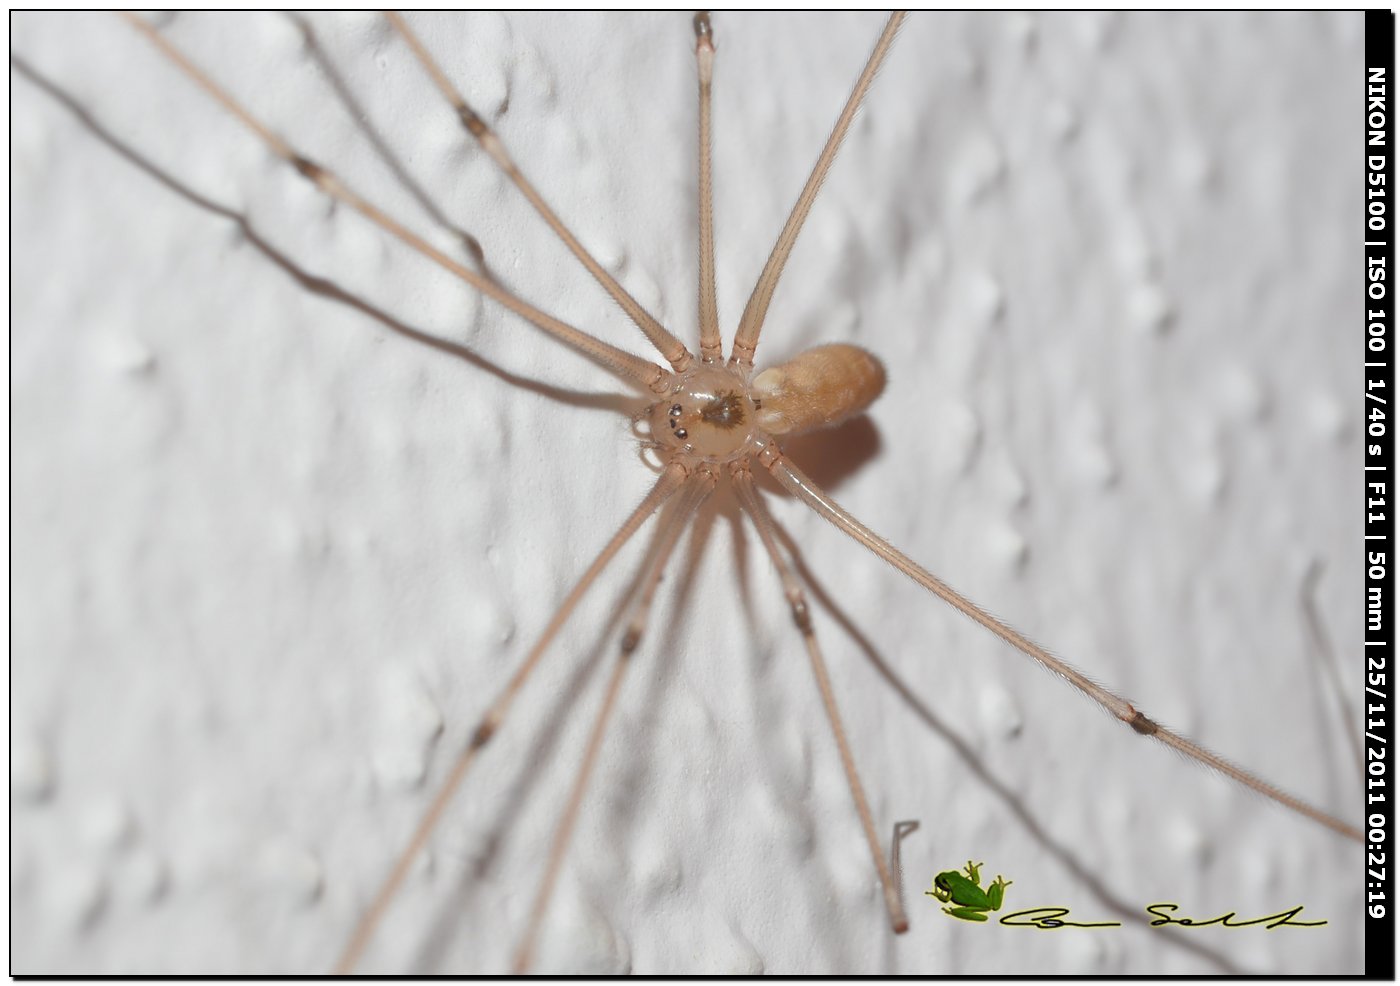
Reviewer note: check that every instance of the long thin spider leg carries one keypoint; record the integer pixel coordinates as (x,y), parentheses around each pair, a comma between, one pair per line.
(797,483)
(698,487)
(671,348)
(751,323)
(631,368)
(802,616)
(711,349)
(666,485)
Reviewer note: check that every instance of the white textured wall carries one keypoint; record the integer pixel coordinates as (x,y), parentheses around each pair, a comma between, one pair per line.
(266,547)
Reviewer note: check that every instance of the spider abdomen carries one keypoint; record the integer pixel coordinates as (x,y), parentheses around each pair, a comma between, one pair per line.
(817,389)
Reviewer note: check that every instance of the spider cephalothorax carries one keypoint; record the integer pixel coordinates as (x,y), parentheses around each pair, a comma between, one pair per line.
(709,414)
(713,413)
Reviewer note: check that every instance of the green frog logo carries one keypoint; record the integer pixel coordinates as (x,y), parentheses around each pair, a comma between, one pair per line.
(972,903)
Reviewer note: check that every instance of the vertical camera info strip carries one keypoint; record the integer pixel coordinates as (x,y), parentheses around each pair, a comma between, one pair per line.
(1379,415)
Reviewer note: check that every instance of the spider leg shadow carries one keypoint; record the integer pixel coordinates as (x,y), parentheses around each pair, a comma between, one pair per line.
(447,927)
(622,404)
(820,884)
(1324,666)
(357,112)
(829,455)
(662,674)
(1126,911)
(626,803)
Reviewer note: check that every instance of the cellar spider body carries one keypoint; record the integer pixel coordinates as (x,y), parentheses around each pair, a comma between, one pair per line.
(225,461)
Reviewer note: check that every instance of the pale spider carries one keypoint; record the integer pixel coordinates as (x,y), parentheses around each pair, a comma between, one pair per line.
(267,545)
